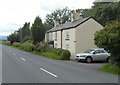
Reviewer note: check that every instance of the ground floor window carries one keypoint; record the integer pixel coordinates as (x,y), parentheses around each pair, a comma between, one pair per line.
(67,46)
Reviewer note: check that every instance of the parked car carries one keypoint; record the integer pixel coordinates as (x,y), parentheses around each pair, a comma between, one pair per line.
(93,55)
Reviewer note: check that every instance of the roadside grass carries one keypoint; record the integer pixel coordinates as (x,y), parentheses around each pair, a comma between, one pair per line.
(111,68)
(48,55)
(45,54)
(19,48)
(6,43)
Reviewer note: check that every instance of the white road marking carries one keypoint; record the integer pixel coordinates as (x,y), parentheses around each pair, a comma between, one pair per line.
(48,72)
(23,59)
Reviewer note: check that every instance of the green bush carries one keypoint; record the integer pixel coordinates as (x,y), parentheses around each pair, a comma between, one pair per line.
(65,55)
(43,47)
(40,47)
(16,44)
(109,39)
(27,46)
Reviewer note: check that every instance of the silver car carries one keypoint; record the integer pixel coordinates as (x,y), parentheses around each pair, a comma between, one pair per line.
(93,55)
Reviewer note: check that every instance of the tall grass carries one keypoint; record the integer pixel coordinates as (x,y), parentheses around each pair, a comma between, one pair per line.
(111,68)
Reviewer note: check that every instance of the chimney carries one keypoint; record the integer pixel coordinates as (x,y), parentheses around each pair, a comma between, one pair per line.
(76,15)
(81,16)
(56,23)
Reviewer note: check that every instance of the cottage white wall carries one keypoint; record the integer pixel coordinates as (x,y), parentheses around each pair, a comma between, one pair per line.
(85,35)
(81,37)
(71,41)
(49,38)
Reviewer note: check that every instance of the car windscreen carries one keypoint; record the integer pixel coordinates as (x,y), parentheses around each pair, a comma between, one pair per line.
(89,51)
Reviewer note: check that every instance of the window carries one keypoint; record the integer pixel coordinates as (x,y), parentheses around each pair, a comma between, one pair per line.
(67,46)
(55,36)
(103,51)
(67,35)
(97,51)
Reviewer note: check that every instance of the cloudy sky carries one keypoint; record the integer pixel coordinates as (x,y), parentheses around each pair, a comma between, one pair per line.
(14,13)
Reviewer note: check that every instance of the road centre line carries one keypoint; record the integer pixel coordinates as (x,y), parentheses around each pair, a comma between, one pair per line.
(23,59)
(48,72)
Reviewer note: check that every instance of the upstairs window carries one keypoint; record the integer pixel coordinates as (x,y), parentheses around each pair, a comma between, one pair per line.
(55,36)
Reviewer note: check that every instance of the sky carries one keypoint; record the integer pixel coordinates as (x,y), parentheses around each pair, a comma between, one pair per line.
(14,13)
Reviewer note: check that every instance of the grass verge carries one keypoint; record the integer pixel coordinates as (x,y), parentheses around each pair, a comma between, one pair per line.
(48,55)
(110,68)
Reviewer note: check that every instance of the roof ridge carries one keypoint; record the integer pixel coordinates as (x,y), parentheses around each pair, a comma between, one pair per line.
(70,24)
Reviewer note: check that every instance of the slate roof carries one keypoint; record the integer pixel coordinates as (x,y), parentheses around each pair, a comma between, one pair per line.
(69,25)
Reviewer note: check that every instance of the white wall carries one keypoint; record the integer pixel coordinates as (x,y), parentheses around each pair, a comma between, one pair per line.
(70,42)
(85,35)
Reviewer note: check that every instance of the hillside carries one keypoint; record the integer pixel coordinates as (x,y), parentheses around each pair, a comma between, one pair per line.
(3,37)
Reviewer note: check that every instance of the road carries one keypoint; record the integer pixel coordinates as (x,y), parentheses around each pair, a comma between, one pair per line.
(23,67)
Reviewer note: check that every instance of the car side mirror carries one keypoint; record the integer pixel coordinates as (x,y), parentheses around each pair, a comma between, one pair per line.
(94,53)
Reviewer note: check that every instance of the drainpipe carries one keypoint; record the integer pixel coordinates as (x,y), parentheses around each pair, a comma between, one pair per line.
(61,38)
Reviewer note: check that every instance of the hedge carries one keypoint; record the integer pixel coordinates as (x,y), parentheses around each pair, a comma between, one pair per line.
(27,46)
(16,44)
(64,54)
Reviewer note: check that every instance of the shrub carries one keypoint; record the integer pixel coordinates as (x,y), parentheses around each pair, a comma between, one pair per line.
(43,47)
(27,46)
(59,51)
(109,39)
(40,47)
(65,55)
(16,44)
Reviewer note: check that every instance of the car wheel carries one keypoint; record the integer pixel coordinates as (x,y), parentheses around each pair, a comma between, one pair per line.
(107,60)
(88,59)
(79,60)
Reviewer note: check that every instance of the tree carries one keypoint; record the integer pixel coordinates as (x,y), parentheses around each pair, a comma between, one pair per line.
(109,38)
(104,12)
(37,30)
(24,32)
(13,37)
(60,15)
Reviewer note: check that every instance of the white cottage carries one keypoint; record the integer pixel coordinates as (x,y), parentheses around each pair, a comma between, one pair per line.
(76,36)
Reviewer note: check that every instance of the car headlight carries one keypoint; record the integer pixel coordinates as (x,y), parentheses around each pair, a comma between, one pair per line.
(83,56)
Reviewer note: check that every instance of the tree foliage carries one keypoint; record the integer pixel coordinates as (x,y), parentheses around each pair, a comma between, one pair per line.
(60,15)
(104,11)
(109,38)
(37,30)
(24,32)
(21,35)
(13,37)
